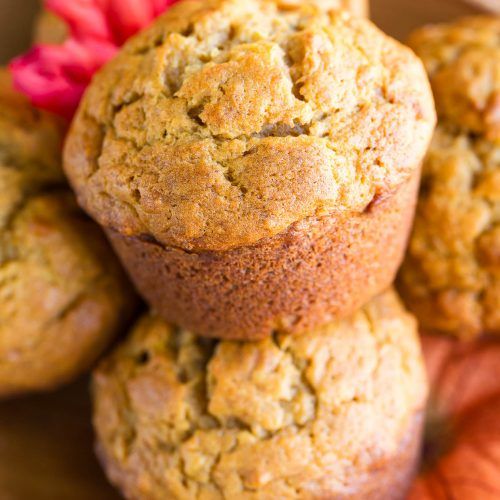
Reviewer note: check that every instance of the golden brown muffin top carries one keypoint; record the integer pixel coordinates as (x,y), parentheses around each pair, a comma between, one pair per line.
(463,62)
(287,417)
(227,121)
(30,150)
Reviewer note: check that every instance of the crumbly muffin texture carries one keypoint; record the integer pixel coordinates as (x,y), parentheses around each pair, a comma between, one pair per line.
(451,277)
(228,121)
(63,295)
(288,417)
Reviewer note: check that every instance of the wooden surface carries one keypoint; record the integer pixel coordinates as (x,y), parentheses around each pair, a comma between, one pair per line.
(46,449)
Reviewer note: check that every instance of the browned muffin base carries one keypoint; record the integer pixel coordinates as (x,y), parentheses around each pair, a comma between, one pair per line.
(317,271)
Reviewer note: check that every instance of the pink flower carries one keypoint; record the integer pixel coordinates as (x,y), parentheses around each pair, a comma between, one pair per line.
(112,20)
(54,77)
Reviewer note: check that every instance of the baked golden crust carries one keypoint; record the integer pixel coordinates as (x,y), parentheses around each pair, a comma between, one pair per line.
(228,121)
(315,416)
(451,277)
(63,295)
(318,270)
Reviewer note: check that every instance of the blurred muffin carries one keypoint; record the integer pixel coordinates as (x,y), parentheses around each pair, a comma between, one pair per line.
(49,28)
(312,416)
(451,277)
(63,295)
(254,163)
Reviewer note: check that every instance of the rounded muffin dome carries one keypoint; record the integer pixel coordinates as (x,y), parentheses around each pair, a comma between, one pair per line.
(228,121)
(313,416)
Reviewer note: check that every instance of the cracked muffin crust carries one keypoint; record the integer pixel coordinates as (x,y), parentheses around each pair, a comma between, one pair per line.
(312,416)
(232,124)
(451,277)
(63,295)
(228,121)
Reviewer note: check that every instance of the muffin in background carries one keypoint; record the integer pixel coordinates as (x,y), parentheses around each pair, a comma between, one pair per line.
(451,276)
(254,163)
(307,417)
(63,295)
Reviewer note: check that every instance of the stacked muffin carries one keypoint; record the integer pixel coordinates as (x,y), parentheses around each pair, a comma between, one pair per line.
(255,165)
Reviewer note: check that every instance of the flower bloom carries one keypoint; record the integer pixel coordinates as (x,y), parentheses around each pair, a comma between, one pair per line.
(54,77)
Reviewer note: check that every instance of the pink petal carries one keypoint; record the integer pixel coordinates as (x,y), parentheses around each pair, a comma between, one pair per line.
(85,18)
(54,77)
(160,6)
(127,17)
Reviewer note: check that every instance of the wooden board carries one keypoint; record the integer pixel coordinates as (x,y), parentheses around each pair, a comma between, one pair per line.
(46,448)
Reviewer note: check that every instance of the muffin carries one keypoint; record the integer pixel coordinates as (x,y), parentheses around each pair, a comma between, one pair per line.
(255,164)
(312,416)
(63,295)
(451,277)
